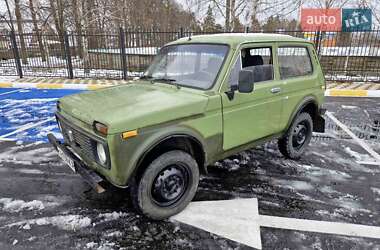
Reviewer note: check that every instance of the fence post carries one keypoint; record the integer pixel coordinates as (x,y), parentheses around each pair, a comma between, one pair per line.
(68,55)
(122,53)
(318,42)
(247,29)
(16,54)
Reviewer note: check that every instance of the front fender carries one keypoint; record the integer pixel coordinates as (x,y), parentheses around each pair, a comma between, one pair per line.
(131,151)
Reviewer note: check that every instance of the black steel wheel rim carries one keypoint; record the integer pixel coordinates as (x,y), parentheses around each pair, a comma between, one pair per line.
(300,134)
(170,185)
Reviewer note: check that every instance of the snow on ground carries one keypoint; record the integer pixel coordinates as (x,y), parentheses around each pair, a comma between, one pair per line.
(358,156)
(19,155)
(28,106)
(128,51)
(18,113)
(12,205)
(65,222)
(56,66)
(8,78)
(111,216)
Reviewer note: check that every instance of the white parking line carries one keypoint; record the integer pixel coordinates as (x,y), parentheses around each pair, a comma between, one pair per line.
(239,220)
(26,127)
(373,163)
(10,92)
(353,136)
(326,227)
(8,139)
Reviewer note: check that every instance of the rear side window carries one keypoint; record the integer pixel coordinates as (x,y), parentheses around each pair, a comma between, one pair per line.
(294,61)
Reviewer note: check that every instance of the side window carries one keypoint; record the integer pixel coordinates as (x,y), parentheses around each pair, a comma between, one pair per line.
(234,74)
(294,61)
(260,61)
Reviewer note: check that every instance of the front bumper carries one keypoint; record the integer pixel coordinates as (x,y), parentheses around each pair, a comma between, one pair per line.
(90,176)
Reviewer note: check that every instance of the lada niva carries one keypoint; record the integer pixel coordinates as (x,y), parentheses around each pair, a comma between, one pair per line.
(202,99)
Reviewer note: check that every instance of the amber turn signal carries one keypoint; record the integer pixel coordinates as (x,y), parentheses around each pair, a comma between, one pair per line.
(129,134)
(101,128)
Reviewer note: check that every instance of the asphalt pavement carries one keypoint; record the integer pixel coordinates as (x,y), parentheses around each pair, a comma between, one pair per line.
(43,205)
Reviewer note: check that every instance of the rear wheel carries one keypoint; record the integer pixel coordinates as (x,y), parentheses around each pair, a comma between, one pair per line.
(293,144)
(167,185)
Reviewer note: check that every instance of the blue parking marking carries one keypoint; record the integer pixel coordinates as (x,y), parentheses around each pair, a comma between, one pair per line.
(27,106)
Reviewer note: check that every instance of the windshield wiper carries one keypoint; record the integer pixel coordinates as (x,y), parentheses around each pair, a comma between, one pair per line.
(167,80)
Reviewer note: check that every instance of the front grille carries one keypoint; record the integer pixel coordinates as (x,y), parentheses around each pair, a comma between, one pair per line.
(78,140)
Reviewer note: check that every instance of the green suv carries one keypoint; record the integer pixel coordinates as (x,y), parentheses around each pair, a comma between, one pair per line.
(202,99)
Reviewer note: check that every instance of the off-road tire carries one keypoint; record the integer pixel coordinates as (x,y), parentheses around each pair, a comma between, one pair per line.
(286,145)
(142,193)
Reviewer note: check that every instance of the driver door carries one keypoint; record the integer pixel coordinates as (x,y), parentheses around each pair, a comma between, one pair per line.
(251,116)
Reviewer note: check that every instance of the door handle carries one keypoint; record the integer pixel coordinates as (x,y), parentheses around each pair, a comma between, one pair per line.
(275,90)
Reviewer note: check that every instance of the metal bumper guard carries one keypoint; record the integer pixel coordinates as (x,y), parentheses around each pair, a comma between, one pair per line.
(90,176)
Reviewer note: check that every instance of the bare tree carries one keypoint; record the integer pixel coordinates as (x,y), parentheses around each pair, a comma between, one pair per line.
(57,12)
(78,27)
(37,30)
(20,29)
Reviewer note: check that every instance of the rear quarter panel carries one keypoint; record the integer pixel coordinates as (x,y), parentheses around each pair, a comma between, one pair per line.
(298,89)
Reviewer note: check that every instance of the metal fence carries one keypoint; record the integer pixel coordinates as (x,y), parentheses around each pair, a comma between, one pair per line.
(345,56)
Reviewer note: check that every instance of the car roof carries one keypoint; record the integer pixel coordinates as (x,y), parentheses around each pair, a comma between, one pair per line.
(234,39)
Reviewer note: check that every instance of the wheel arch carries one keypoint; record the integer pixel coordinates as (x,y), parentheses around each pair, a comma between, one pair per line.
(179,141)
(309,105)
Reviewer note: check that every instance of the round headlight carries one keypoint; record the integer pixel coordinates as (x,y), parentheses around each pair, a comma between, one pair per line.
(101,153)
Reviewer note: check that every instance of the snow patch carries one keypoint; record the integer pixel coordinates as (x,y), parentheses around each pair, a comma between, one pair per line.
(14,206)
(91,245)
(111,216)
(29,171)
(295,185)
(349,107)
(28,157)
(358,156)
(375,190)
(114,234)
(65,222)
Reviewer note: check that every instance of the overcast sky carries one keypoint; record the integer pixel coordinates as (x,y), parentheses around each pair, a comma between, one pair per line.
(200,13)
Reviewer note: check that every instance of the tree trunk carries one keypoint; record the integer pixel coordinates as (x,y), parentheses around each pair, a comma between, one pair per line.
(20,31)
(91,27)
(233,15)
(58,24)
(78,28)
(37,30)
(228,15)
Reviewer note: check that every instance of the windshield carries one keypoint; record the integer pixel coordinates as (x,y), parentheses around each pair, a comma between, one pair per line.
(191,65)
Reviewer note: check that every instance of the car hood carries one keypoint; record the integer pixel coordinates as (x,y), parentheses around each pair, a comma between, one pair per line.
(134,105)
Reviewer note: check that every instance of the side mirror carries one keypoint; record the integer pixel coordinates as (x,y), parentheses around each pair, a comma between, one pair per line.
(246,81)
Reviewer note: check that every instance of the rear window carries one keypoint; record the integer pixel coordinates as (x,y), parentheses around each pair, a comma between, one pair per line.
(294,62)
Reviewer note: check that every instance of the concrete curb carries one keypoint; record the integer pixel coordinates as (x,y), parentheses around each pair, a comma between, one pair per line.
(28,85)
(352,93)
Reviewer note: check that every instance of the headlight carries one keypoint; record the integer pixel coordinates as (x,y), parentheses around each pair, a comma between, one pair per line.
(101,153)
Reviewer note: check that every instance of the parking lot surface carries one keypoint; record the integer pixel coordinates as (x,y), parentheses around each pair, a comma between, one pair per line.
(43,205)
(20,107)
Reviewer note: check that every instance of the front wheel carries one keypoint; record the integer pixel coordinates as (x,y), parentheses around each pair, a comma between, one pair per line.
(167,186)
(293,144)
